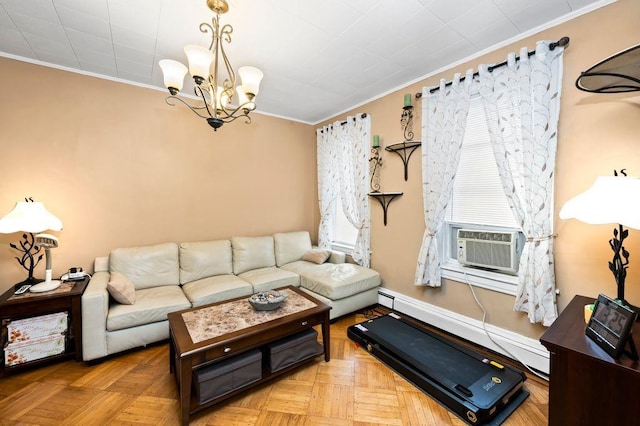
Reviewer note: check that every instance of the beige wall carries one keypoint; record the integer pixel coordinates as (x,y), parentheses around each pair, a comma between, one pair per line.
(121,168)
(598,133)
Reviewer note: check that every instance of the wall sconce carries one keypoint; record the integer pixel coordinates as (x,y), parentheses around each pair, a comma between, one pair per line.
(405,148)
(375,162)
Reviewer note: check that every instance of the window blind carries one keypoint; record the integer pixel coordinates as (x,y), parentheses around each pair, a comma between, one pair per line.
(478,197)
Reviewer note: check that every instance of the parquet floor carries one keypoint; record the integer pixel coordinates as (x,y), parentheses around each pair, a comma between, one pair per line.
(136,388)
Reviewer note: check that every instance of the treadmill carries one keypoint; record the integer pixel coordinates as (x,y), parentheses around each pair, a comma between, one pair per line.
(479,390)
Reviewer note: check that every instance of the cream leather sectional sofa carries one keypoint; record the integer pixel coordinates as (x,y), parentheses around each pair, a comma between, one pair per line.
(169,277)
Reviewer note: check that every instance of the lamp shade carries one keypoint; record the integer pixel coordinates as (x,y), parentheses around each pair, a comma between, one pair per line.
(244,100)
(200,59)
(30,217)
(173,72)
(611,199)
(251,78)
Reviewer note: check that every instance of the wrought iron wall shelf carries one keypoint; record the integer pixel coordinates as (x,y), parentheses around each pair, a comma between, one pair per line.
(385,198)
(401,148)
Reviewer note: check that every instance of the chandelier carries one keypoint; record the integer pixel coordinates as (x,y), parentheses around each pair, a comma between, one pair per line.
(222,101)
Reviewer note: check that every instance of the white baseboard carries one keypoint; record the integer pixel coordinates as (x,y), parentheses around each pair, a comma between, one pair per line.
(526,349)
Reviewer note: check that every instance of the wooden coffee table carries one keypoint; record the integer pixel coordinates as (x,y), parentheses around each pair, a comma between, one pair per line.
(201,336)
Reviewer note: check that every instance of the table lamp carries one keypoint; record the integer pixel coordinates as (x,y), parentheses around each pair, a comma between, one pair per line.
(29,217)
(610,200)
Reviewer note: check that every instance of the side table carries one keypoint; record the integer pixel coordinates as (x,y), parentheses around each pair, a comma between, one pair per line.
(587,386)
(65,299)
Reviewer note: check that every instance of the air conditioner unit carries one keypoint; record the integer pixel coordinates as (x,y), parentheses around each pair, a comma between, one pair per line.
(488,249)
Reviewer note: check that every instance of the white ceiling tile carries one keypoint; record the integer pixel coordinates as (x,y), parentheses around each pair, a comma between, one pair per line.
(50,45)
(422,24)
(133,40)
(139,16)
(364,5)
(471,24)
(336,53)
(532,15)
(84,22)
(45,29)
(42,10)
(51,57)
(96,8)
(131,55)
(448,10)
(332,16)
(127,68)
(5,19)
(460,49)
(579,4)
(110,71)
(81,40)
(88,56)
(435,42)
(12,41)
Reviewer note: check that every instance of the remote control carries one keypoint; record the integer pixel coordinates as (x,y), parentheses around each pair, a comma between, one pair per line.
(23,289)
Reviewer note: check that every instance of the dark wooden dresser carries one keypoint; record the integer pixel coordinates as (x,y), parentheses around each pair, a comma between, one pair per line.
(587,386)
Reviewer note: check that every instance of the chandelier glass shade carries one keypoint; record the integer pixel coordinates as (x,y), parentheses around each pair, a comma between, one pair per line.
(222,100)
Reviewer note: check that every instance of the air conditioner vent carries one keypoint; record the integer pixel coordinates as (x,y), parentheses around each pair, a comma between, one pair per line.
(488,249)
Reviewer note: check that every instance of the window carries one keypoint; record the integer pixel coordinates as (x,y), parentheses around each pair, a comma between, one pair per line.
(344,233)
(478,202)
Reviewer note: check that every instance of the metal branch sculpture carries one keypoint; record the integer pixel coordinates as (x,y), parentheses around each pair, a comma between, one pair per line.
(29,250)
(620,261)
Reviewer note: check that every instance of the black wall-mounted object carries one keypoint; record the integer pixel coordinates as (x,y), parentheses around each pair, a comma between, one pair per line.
(616,74)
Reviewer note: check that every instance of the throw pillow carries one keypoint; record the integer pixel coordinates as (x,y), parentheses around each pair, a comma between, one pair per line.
(318,256)
(121,289)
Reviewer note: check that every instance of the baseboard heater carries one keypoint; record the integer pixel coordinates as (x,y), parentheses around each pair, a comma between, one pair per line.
(479,390)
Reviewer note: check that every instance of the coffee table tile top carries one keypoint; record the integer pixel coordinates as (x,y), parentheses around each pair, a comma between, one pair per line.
(207,323)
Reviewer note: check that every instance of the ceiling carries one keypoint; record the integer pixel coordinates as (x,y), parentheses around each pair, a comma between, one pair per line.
(319,58)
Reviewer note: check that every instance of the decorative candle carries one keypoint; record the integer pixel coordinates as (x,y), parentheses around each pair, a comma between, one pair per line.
(407,99)
(376,141)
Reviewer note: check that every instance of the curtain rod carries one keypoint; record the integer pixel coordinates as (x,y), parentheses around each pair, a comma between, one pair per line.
(562,42)
(364,114)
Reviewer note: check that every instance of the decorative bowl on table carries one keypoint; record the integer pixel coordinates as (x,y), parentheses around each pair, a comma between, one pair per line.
(267,300)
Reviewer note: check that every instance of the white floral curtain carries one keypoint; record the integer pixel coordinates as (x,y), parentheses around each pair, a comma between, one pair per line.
(522,104)
(328,174)
(444,119)
(343,171)
(354,182)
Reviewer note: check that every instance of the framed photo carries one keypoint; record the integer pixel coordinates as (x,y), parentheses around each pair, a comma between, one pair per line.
(610,326)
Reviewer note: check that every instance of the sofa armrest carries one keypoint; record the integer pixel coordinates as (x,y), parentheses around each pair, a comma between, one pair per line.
(95,308)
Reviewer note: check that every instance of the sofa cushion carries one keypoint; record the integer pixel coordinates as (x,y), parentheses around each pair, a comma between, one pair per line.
(334,281)
(252,253)
(269,278)
(216,289)
(318,256)
(291,246)
(148,266)
(204,259)
(152,305)
(121,289)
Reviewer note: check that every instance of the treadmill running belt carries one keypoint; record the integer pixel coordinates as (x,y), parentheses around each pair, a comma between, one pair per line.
(426,352)
(470,385)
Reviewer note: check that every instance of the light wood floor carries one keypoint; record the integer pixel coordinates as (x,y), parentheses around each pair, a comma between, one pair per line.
(136,388)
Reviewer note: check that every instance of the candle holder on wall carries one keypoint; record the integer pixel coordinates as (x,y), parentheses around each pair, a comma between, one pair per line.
(375,163)
(405,148)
